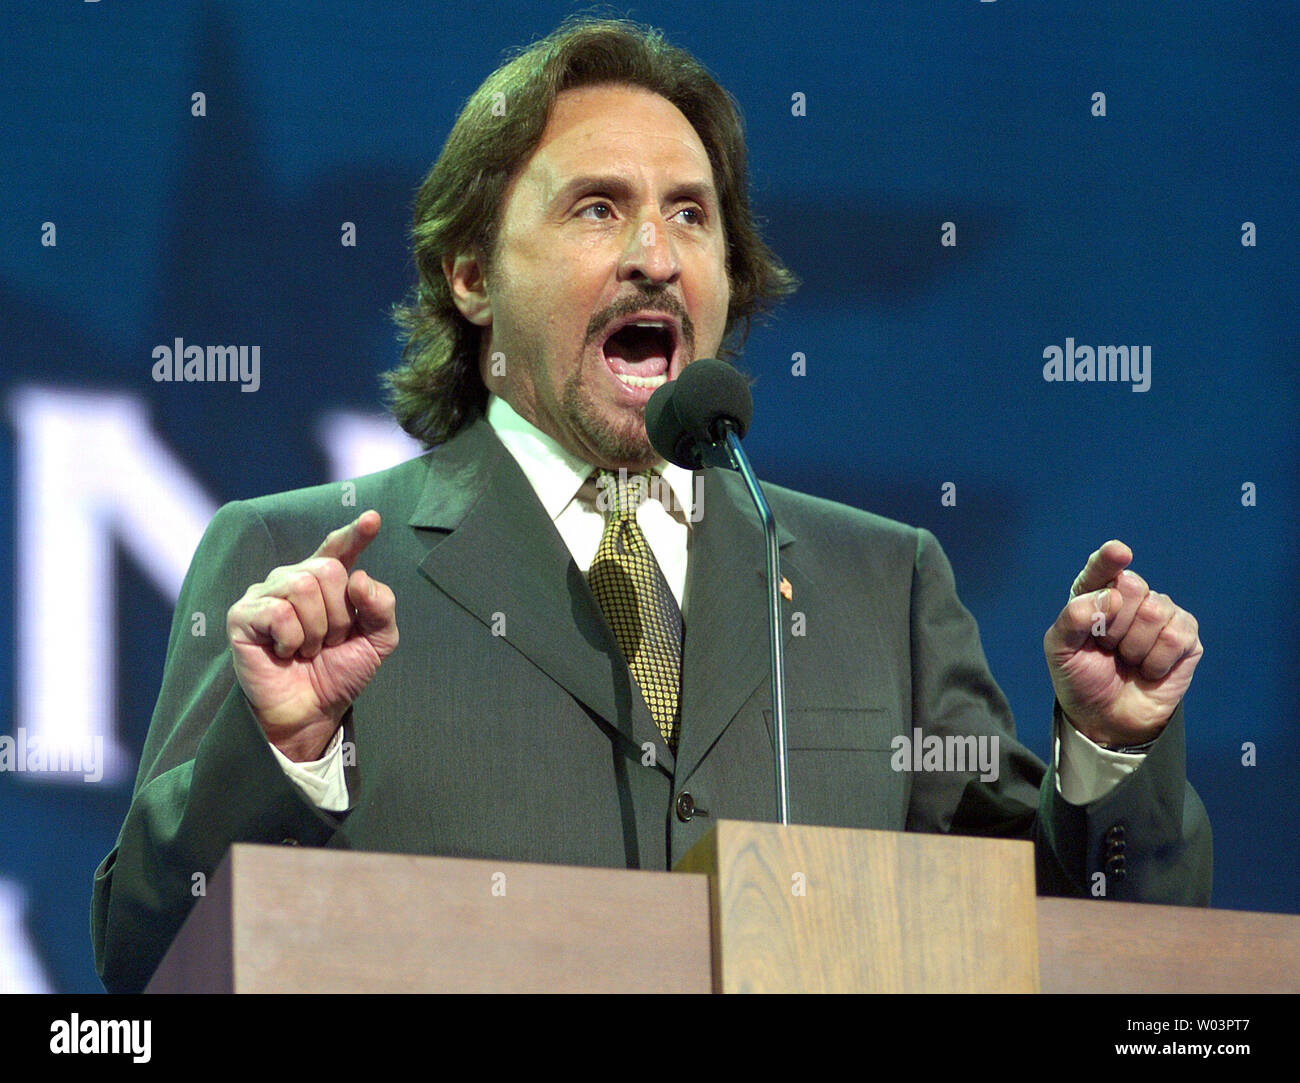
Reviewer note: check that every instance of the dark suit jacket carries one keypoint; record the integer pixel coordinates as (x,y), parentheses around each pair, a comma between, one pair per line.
(506,724)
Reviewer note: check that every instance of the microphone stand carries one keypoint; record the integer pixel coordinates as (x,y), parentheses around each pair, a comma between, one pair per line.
(736,459)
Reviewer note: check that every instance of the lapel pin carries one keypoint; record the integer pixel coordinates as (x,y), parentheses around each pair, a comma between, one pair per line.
(787,591)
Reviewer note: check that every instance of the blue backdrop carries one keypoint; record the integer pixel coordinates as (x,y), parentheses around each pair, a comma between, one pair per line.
(1162,215)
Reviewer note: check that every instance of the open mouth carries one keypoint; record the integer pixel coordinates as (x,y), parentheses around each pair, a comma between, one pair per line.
(640,350)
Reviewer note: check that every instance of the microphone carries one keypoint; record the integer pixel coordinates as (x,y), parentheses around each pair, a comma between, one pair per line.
(687,417)
(698,420)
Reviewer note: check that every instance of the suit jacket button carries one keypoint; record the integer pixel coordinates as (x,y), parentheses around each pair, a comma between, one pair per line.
(685,807)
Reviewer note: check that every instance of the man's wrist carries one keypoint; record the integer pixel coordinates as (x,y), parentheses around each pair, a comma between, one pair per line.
(1105,737)
(1132,750)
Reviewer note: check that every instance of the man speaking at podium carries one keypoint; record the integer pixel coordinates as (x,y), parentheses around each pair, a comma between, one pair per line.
(583,671)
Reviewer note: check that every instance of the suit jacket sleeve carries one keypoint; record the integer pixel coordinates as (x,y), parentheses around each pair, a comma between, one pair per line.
(1148,838)
(207,776)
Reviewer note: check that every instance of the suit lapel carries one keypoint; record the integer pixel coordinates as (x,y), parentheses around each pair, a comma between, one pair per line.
(495,551)
(726,654)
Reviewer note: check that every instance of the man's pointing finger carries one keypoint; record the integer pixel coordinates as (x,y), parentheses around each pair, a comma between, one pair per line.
(1102,568)
(348,542)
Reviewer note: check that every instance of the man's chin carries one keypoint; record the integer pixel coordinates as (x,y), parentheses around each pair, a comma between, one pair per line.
(615,441)
(614,452)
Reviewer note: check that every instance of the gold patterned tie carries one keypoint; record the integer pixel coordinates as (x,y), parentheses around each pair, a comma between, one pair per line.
(637,601)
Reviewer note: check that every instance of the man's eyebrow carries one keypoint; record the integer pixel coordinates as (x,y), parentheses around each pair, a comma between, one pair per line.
(701,191)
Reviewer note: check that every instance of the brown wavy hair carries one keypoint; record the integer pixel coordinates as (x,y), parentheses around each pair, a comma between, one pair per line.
(438,387)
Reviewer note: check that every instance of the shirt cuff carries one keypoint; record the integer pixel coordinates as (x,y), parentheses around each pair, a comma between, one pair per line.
(1086,772)
(320,780)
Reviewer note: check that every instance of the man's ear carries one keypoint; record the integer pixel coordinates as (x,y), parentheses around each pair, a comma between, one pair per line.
(468,287)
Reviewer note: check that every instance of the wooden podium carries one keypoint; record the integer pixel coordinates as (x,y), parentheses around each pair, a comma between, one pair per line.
(282,919)
(832,910)
(754,907)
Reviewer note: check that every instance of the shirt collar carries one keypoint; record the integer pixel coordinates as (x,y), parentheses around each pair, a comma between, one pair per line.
(557,475)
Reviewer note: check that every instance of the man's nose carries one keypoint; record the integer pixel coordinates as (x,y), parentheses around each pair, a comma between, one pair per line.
(649,252)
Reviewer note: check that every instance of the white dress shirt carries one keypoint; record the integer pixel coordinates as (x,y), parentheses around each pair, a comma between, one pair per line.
(558,477)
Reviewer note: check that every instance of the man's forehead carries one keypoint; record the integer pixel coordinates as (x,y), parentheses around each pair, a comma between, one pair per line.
(603,128)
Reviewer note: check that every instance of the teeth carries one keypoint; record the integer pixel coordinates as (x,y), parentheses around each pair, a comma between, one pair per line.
(642,381)
(648,323)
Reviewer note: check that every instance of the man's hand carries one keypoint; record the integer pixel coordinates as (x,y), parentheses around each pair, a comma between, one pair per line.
(307,639)
(1121,656)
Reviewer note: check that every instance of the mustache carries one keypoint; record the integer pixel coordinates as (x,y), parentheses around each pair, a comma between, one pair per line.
(641,301)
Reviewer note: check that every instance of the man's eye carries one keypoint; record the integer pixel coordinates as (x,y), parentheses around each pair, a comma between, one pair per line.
(598,211)
(694,216)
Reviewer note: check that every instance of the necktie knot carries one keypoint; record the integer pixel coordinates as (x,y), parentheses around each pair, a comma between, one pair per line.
(619,495)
